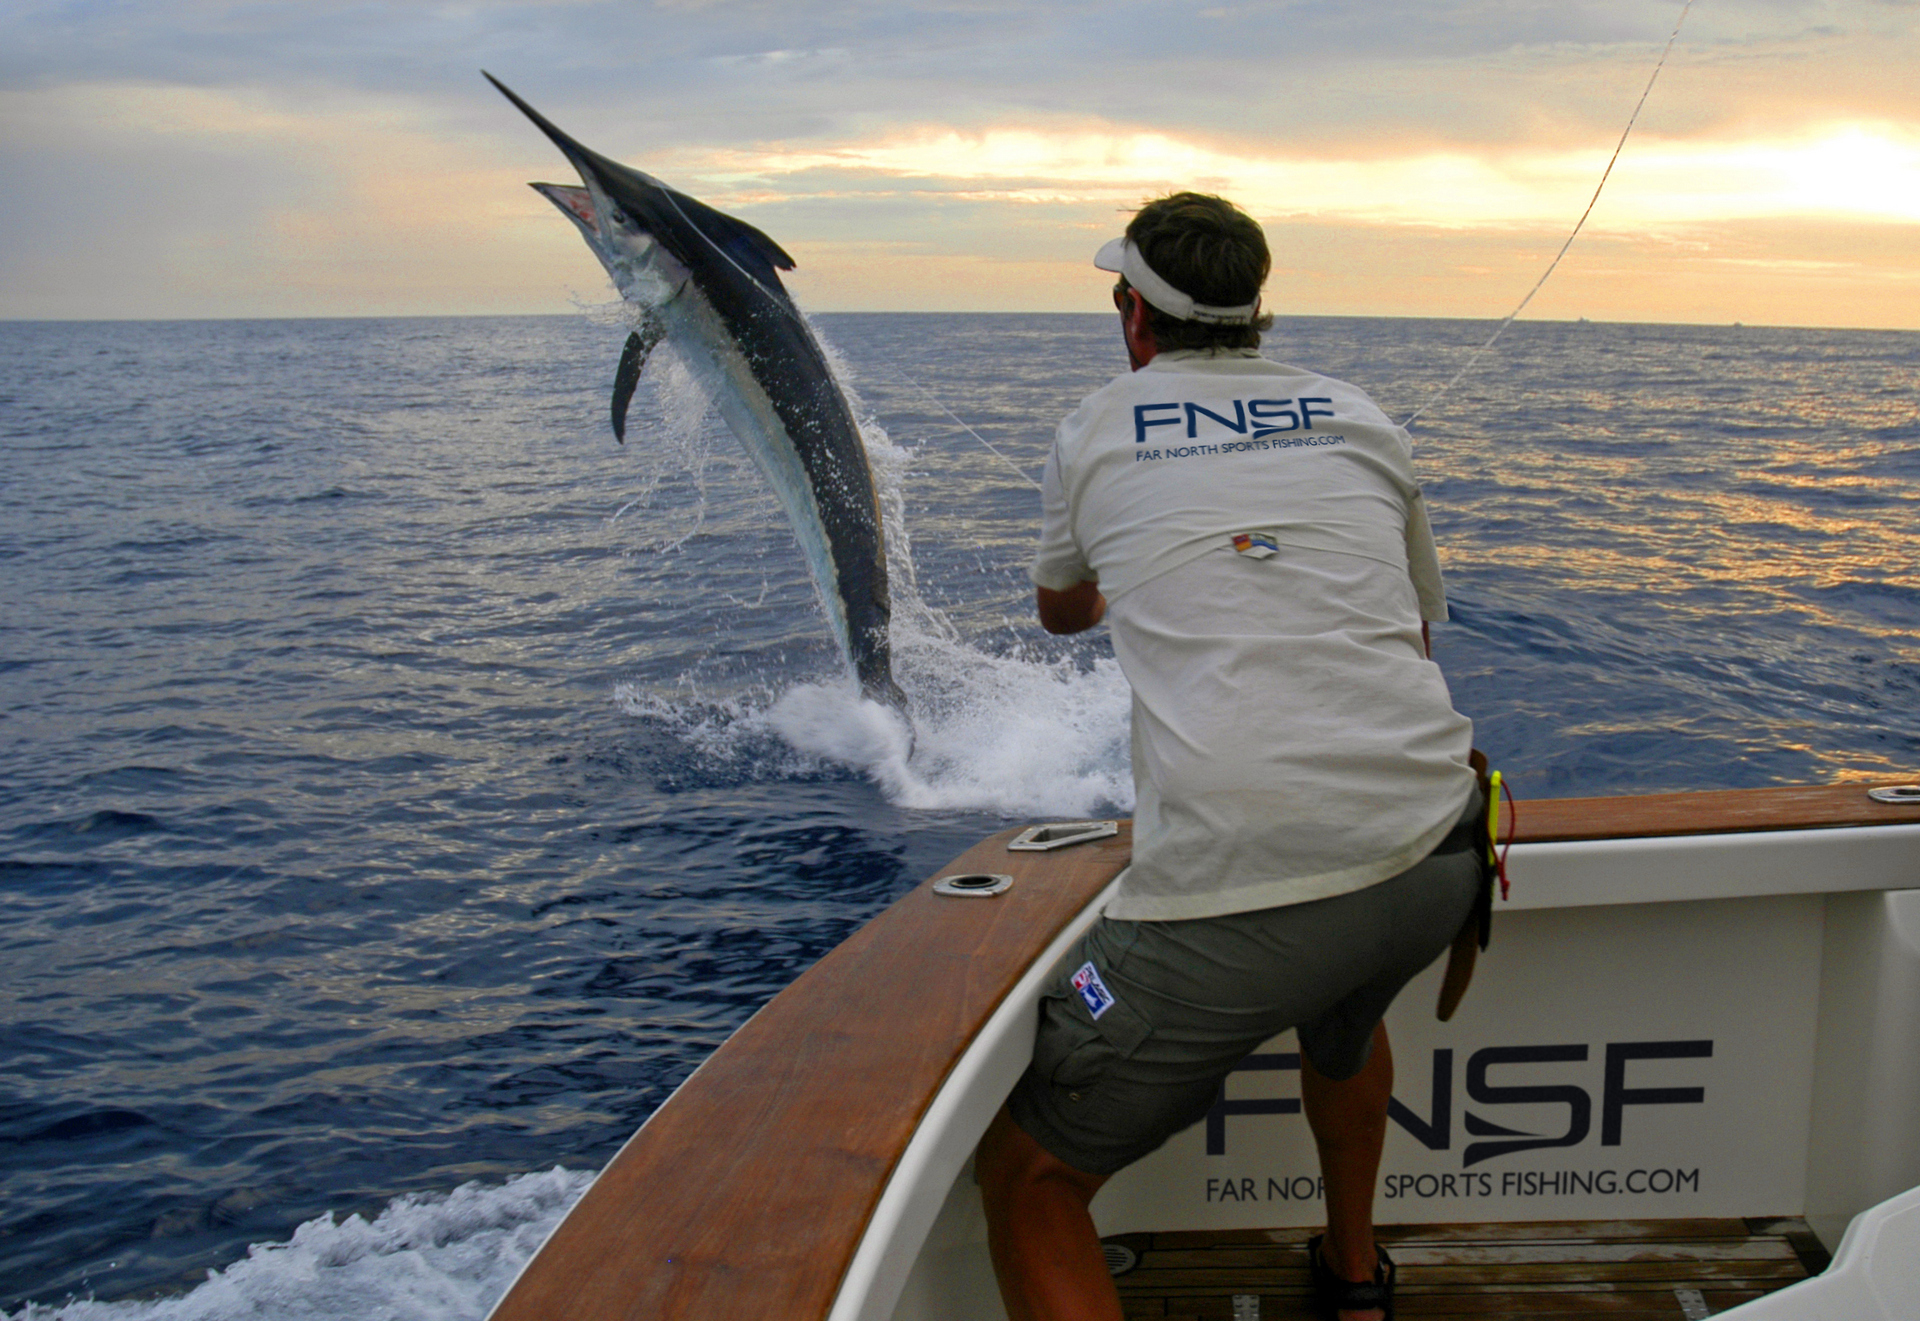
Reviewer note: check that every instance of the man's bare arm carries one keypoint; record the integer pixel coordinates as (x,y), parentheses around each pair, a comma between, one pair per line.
(1075,610)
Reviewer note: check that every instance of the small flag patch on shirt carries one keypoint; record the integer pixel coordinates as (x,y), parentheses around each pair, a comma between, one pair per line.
(1257,544)
(1094,991)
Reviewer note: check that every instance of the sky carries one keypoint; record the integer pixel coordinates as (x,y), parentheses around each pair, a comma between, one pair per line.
(246,158)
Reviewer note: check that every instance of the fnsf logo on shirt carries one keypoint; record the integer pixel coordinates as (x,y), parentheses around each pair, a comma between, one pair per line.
(1259,418)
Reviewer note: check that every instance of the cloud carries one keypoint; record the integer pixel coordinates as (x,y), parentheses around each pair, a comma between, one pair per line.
(343,155)
(1851,171)
(750,69)
(166,201)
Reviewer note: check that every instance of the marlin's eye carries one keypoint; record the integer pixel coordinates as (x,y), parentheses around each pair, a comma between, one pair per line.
(620,218)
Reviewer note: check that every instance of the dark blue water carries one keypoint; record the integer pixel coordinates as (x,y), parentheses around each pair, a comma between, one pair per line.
(402,787)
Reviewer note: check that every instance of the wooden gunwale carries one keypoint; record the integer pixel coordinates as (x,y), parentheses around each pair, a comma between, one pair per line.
(1715,812)
(749,1191)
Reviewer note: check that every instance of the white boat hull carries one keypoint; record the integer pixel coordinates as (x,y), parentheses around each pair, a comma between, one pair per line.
(1754,997)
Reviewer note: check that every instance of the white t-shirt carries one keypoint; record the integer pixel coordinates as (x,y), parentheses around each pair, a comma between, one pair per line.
(1290,739)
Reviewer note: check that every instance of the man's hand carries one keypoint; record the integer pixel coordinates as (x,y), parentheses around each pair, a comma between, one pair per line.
(1075,610)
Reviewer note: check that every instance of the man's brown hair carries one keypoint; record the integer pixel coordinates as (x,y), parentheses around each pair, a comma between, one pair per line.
(1207,247)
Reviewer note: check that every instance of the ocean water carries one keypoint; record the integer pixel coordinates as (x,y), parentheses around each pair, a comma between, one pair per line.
(402,787)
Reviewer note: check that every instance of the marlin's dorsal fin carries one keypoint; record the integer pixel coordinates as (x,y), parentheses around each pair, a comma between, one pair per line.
(756,252)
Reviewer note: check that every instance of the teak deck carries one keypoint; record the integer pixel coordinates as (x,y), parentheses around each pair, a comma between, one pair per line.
(1612,1270)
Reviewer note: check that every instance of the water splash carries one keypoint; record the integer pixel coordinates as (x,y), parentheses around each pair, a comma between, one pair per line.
(426,1257)
(1006,732)
(999,734)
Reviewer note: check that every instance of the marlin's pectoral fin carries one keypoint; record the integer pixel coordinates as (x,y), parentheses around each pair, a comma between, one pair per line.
(627,377)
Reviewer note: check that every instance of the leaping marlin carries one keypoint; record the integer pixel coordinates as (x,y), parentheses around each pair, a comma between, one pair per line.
(711,283)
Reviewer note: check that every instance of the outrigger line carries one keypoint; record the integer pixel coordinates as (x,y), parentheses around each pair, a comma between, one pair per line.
(1498,330)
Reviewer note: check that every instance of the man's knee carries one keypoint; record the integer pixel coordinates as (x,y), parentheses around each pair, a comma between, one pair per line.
(1009,1164)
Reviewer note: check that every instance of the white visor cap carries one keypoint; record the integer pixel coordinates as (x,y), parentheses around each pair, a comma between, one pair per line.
(1122,258)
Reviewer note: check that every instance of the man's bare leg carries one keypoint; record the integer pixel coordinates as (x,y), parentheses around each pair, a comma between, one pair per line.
(1046,1252)
(1349,1122)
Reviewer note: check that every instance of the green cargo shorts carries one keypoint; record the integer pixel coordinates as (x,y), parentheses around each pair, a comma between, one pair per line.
(1182,1003)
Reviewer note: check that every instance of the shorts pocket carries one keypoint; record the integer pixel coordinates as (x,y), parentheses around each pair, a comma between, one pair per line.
(1123,1028)
(1076,1050)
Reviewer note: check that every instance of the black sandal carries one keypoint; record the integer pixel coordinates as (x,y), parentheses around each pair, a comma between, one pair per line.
(1334,1295)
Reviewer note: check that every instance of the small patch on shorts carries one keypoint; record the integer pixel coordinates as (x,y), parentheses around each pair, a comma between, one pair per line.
(1092,990)
(1259,545)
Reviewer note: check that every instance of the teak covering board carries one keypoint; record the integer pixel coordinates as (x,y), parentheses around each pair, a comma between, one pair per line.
(1716,812)
(747,1193)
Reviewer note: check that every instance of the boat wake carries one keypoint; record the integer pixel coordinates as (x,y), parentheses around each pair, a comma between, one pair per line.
(433,1257)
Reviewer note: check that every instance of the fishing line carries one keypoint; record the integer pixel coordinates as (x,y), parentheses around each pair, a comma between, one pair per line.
(1018,470)
(1501,328)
